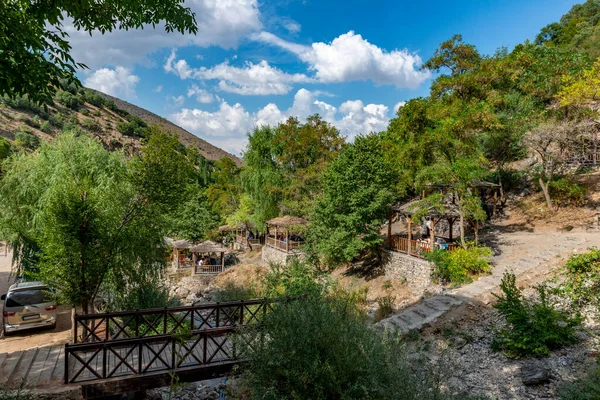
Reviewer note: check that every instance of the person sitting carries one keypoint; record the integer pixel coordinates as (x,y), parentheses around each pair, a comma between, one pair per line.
(251,235)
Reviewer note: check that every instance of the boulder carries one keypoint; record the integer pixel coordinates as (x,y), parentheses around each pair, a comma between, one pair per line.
(535,373)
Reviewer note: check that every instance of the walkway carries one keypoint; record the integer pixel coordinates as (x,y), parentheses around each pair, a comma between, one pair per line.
(41,366)
(522,253)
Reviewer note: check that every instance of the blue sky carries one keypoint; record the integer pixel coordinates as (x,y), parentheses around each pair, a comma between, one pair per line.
(252,63)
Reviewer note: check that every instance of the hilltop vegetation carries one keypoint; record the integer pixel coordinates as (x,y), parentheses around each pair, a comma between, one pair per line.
(115,123)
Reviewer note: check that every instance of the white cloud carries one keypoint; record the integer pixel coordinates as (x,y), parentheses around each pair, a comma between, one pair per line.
(291,25)
(202,96)
(349,57)
(398,105)
(115,82)
(228,126)
(220,22)
(250,79)
(176,101)
(158,89)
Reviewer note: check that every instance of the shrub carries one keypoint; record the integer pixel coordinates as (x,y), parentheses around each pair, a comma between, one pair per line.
(566,192)
(91,125)
(460,265)
(57,120)
(585,389)
(45,127)
(385,306)
(93,98)
(323,348)
(5,148)
(24,139)
(534,327)
(142,295)
(67,99)
(232,292)
(582,280)
(135,127)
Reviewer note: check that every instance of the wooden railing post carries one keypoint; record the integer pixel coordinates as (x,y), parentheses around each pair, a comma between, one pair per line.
(66,371)
(74,324)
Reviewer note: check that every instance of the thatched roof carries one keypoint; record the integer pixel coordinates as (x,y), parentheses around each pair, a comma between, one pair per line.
(241,225)
(181,244)
(208,247)
(286,221)
(450,210)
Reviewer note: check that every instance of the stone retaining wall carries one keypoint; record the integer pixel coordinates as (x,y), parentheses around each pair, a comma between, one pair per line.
(415,271)
(270,254)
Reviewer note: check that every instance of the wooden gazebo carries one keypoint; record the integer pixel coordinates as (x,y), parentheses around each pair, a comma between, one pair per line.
(180,252)
(281,234)
(203,261)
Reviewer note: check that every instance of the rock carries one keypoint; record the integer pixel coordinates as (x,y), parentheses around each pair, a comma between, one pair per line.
(534,373)
(182,292)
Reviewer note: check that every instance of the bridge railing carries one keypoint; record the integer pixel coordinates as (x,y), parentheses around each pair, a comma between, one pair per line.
(86,362)
(89,328)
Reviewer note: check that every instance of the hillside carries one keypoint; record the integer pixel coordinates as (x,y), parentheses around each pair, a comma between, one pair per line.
(116,123)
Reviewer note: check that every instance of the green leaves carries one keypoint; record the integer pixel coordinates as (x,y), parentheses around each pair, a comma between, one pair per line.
(34,47)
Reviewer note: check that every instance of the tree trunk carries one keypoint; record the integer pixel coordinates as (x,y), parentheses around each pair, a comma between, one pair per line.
(501,187)
(546,191)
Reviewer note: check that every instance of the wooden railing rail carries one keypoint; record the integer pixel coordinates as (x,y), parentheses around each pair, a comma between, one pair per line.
(161,321)
(417,247)
(136,356)
(281,245)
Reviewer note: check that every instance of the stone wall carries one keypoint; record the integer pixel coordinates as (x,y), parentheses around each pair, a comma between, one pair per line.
(415,271)
(270,254)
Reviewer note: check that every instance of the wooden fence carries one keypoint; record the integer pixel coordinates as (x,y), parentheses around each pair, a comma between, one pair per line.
(283,245)
(89,328)
(417,248)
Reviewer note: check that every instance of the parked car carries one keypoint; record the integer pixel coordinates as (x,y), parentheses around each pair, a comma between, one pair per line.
(28,305)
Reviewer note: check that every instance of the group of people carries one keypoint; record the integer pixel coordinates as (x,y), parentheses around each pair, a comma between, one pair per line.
(207,261)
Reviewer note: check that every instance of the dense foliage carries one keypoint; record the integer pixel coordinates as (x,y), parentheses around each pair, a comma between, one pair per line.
(322,347)
(461,265)
(581,283)
(34,42)
(534,327)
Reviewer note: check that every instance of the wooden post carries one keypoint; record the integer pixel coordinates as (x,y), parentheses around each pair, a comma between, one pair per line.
(450,227)
(73,326)
(177,255)
(222,261)
(194,259)
(390,229)
(432,230)
(287,240)
(409,234)
(276,241)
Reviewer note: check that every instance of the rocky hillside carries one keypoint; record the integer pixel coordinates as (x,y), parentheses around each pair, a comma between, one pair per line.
(116,123)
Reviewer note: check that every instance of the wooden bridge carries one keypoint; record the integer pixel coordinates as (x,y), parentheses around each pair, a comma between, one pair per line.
(114,353)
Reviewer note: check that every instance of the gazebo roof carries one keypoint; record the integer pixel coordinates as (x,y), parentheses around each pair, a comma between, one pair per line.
(226,228)
(450,210)
(287,221)
(208,247)
(181,244)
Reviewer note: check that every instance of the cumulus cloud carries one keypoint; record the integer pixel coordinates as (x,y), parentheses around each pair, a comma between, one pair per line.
(202,96)
(350,57)
(158,89)
(250,79)
(220,22)
(228,126)
(115,82)
(398,105)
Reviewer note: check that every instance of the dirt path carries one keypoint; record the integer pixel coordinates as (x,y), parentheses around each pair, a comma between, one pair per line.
(34,337)
(525,253)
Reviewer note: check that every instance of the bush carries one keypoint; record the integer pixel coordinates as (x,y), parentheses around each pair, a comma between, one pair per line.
(565,192)
(385,306)
(142,295)
(45,127)
(135,127)
(460,265)
(91,125)
(93,98)
(5,148)
(322,348)
(26,140)
(582,280)
(534,327)
(57,120)
(67,99)
(585,389)
(232,292)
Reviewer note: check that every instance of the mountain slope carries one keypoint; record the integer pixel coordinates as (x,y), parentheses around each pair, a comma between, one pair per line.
(208,150)
(116,123)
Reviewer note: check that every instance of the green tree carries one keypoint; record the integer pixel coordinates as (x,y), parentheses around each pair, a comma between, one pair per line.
(224,191)
(32,35)
(74,203)
(358,189)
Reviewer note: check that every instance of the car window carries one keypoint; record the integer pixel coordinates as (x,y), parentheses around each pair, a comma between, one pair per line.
(28,297)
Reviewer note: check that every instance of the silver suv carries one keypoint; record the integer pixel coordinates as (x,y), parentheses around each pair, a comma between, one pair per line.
(28,305)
